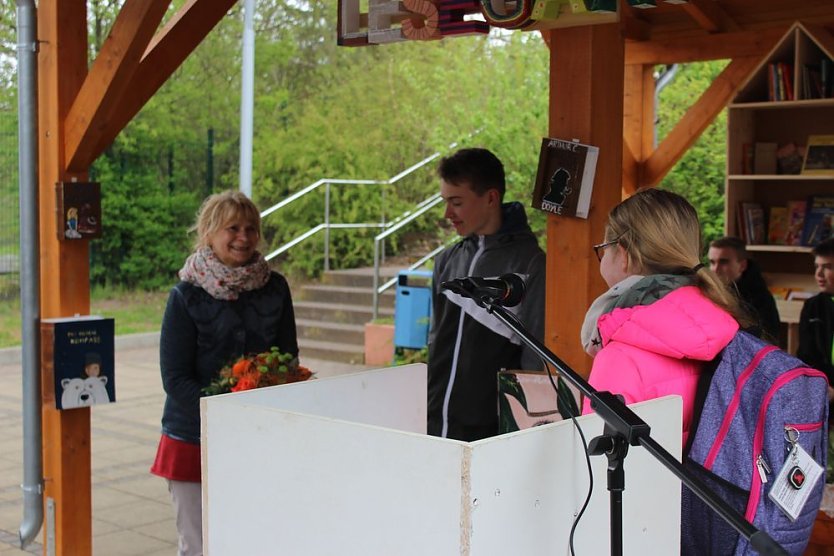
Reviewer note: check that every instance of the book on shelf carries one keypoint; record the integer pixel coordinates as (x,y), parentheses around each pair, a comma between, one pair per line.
(754,223)
(825,76)
(787,80)
(565,178)
(764,158)
(819,220)
(812,82)
(789,157)
(78,357)
(819,156)
(741,226)
(796,221)
(777,225)
(747,158)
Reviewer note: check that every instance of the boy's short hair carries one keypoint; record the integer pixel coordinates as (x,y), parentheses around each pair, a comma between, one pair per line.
(824,248)
(474,166)
(734,243)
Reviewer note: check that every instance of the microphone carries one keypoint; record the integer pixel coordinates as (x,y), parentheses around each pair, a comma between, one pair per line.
(507,290)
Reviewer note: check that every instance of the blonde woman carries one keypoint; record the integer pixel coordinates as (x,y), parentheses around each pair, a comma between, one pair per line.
(665,314)
(228,303)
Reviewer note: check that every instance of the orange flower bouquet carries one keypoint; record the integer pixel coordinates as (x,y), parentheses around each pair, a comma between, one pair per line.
(269,368)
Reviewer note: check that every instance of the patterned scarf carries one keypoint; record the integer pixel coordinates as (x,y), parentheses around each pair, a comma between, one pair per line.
(204,269)
(633,291)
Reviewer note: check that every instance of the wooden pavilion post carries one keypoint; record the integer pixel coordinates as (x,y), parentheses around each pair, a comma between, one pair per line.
(638,123)
(64,289)
(586,103)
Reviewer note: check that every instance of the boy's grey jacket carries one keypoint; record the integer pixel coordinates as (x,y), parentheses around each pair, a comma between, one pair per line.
(467,345)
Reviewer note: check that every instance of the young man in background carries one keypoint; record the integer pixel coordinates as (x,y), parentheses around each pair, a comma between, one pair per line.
(729,259)
(816,332)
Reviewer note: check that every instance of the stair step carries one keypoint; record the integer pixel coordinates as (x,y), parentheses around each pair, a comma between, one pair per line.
(338,312)
(331,351)
(359,277)
(340,294)
(331,331)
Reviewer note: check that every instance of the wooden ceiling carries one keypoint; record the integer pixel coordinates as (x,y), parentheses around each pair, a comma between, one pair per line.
(696,30)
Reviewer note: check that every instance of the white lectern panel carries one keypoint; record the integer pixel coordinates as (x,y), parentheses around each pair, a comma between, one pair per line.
(340,466)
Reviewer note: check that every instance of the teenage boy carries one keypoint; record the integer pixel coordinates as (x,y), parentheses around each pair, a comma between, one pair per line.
(816,331)
(468,346)
(728,258)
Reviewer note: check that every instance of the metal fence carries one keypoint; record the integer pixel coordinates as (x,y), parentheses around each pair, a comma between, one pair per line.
(9,207)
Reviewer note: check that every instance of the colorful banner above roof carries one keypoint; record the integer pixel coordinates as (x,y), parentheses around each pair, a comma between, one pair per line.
(422,20)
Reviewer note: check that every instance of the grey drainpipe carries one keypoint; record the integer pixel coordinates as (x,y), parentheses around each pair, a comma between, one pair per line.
(27,73)
(664,79)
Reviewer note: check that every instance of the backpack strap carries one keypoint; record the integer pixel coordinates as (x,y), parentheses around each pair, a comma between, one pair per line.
(704,381)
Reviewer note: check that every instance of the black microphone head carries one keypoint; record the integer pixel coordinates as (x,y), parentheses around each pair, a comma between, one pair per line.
(515,289)
(453,286)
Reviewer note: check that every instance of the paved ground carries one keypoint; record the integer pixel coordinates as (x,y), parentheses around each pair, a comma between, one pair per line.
(131,510)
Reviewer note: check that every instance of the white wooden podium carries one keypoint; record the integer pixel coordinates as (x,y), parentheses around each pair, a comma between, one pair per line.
(342,466)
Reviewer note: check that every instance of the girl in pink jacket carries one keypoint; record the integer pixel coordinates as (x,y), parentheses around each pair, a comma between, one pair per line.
(665,314)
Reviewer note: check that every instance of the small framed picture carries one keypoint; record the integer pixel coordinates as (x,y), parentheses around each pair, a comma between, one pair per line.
(819,155)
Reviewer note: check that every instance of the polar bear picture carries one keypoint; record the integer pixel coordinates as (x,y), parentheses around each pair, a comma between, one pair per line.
(84,392)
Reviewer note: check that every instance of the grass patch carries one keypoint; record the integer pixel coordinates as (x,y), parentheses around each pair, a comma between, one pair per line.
(133,311)
(9,322)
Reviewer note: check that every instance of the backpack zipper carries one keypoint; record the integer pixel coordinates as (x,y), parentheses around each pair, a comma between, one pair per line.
(757,480)
(805,427)
(732,407)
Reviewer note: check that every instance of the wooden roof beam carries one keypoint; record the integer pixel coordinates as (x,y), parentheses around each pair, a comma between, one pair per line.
(167,50)
(739,44)
(632,24)
(697,118)
(709,15)
(108,78)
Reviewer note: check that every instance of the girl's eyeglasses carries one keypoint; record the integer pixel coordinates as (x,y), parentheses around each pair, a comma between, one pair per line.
(599,248)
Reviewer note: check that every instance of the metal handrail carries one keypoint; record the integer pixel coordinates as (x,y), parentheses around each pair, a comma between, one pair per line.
(424,207)
(429,256)
(327,225)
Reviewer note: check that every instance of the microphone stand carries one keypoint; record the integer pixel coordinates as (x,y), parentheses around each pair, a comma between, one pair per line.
(623,428)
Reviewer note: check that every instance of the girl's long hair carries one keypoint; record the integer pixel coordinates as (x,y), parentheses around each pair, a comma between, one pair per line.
(661,233)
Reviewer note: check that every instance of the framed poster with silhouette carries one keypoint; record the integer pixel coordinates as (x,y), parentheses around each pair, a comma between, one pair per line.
(565,178)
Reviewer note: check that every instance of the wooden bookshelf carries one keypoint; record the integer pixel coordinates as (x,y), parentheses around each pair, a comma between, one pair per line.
(755,117)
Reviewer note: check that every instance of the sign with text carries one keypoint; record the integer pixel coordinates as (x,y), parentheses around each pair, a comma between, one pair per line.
(422,20)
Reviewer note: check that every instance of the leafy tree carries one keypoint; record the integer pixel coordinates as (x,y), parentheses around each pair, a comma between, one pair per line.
(699,175)
(143,241)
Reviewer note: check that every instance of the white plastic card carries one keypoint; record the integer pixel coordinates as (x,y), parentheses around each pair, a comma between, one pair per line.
(795,482)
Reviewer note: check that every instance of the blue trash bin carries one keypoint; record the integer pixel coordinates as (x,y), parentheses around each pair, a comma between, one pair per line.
(412,309)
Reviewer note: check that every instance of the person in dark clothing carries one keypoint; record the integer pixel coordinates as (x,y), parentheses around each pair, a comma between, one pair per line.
(228,303)
(468,346)
(729,259)
(816,332)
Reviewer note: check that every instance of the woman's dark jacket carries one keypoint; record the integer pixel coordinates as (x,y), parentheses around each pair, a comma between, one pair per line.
(201,334)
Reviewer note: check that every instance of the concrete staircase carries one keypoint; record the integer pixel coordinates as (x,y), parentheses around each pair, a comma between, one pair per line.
(331,314)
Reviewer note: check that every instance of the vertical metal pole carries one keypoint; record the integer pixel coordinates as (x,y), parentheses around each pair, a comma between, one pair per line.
(30,300)
(210,162)
(170,169)
(383,219)
(327,226)
(376,278)
(247,98)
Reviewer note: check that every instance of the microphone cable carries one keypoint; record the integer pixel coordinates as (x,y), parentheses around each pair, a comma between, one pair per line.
(560,396)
